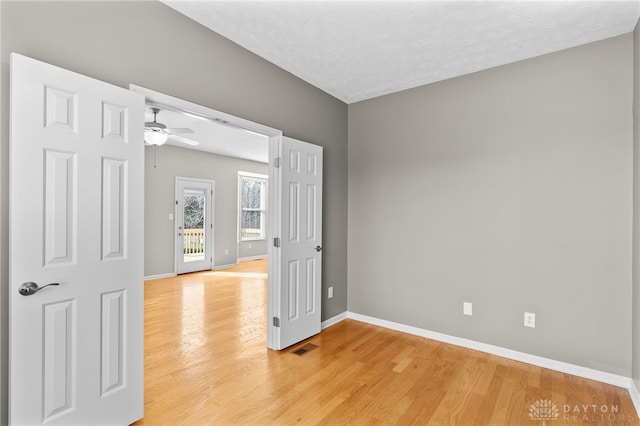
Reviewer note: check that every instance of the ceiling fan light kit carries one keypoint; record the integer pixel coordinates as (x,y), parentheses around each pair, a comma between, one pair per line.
(155,138)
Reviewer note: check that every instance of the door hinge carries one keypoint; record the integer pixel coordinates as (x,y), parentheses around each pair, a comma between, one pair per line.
(277,162)
(276,242)
(276,322)
(176,202)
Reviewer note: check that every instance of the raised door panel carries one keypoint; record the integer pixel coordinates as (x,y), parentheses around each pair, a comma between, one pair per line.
(293,290)
(113,341)
(61,109)
(312,218)
(294,212)
(60,384)
(114,214)
(311,283)
(60,207)
(115,119)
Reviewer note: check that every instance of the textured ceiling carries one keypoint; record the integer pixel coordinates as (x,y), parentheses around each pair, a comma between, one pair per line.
(356,50)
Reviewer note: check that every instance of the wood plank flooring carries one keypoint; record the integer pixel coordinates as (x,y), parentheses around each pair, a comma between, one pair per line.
(206,363)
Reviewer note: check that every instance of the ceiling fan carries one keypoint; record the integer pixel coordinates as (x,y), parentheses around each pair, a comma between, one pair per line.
(156,133)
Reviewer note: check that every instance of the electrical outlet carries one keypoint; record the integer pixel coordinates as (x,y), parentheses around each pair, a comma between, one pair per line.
(330,292)
(226,251)
(529,320)
(170,216)
(467,308)
(250,245)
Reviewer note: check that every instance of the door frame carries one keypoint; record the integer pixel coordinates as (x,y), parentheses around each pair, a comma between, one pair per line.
(273,185)
(209,242)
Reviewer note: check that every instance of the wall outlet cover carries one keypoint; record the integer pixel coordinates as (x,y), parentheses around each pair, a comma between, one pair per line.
(529,320)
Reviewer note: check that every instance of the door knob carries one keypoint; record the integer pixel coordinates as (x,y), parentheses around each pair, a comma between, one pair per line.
(29,288)
(318,248)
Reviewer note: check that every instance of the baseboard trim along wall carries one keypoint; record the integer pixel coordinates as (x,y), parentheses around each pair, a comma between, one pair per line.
(155,277)
(635,396)
(231,265)
(215,268)
(333,320)
(576,370)
(242,259)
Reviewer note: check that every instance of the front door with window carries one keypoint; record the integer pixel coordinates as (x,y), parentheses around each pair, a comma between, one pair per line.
(194,225)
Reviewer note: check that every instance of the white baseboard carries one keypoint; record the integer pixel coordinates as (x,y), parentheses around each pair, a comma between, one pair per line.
(231,265)
(155,277)
(576,370)
(242,259)
(215,268)
(635,396)
(333,320)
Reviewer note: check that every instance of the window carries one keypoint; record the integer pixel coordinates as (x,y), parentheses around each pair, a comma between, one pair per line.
(253,210)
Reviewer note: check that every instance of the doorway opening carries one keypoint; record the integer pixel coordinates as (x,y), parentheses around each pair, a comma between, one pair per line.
(273,138)
(194,225)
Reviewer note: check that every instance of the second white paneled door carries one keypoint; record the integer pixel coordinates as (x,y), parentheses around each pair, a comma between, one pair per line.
(300,286)
(194,225)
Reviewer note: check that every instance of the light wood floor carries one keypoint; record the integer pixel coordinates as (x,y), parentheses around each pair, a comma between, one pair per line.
(206,363)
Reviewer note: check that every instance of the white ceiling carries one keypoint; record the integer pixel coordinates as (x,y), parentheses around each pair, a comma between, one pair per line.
(214,137)
(357,50)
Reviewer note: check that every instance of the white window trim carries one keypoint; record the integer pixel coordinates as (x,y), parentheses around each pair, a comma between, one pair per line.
(264,196)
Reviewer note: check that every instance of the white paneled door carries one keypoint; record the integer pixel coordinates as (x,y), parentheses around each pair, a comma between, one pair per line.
(76,216)
(301,242)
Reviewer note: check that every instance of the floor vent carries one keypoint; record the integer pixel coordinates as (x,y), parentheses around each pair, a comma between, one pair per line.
(304,349)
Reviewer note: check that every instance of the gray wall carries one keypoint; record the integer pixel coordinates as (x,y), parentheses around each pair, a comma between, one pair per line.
(108,41)
(252,249)
(159,202)
(509,188)
(636,208)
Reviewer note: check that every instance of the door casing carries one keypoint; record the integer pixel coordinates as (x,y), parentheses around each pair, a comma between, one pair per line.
(273,184)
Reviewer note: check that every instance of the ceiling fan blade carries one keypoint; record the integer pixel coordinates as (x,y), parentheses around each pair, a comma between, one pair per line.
(152,125)
(184,140)
(181,130)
